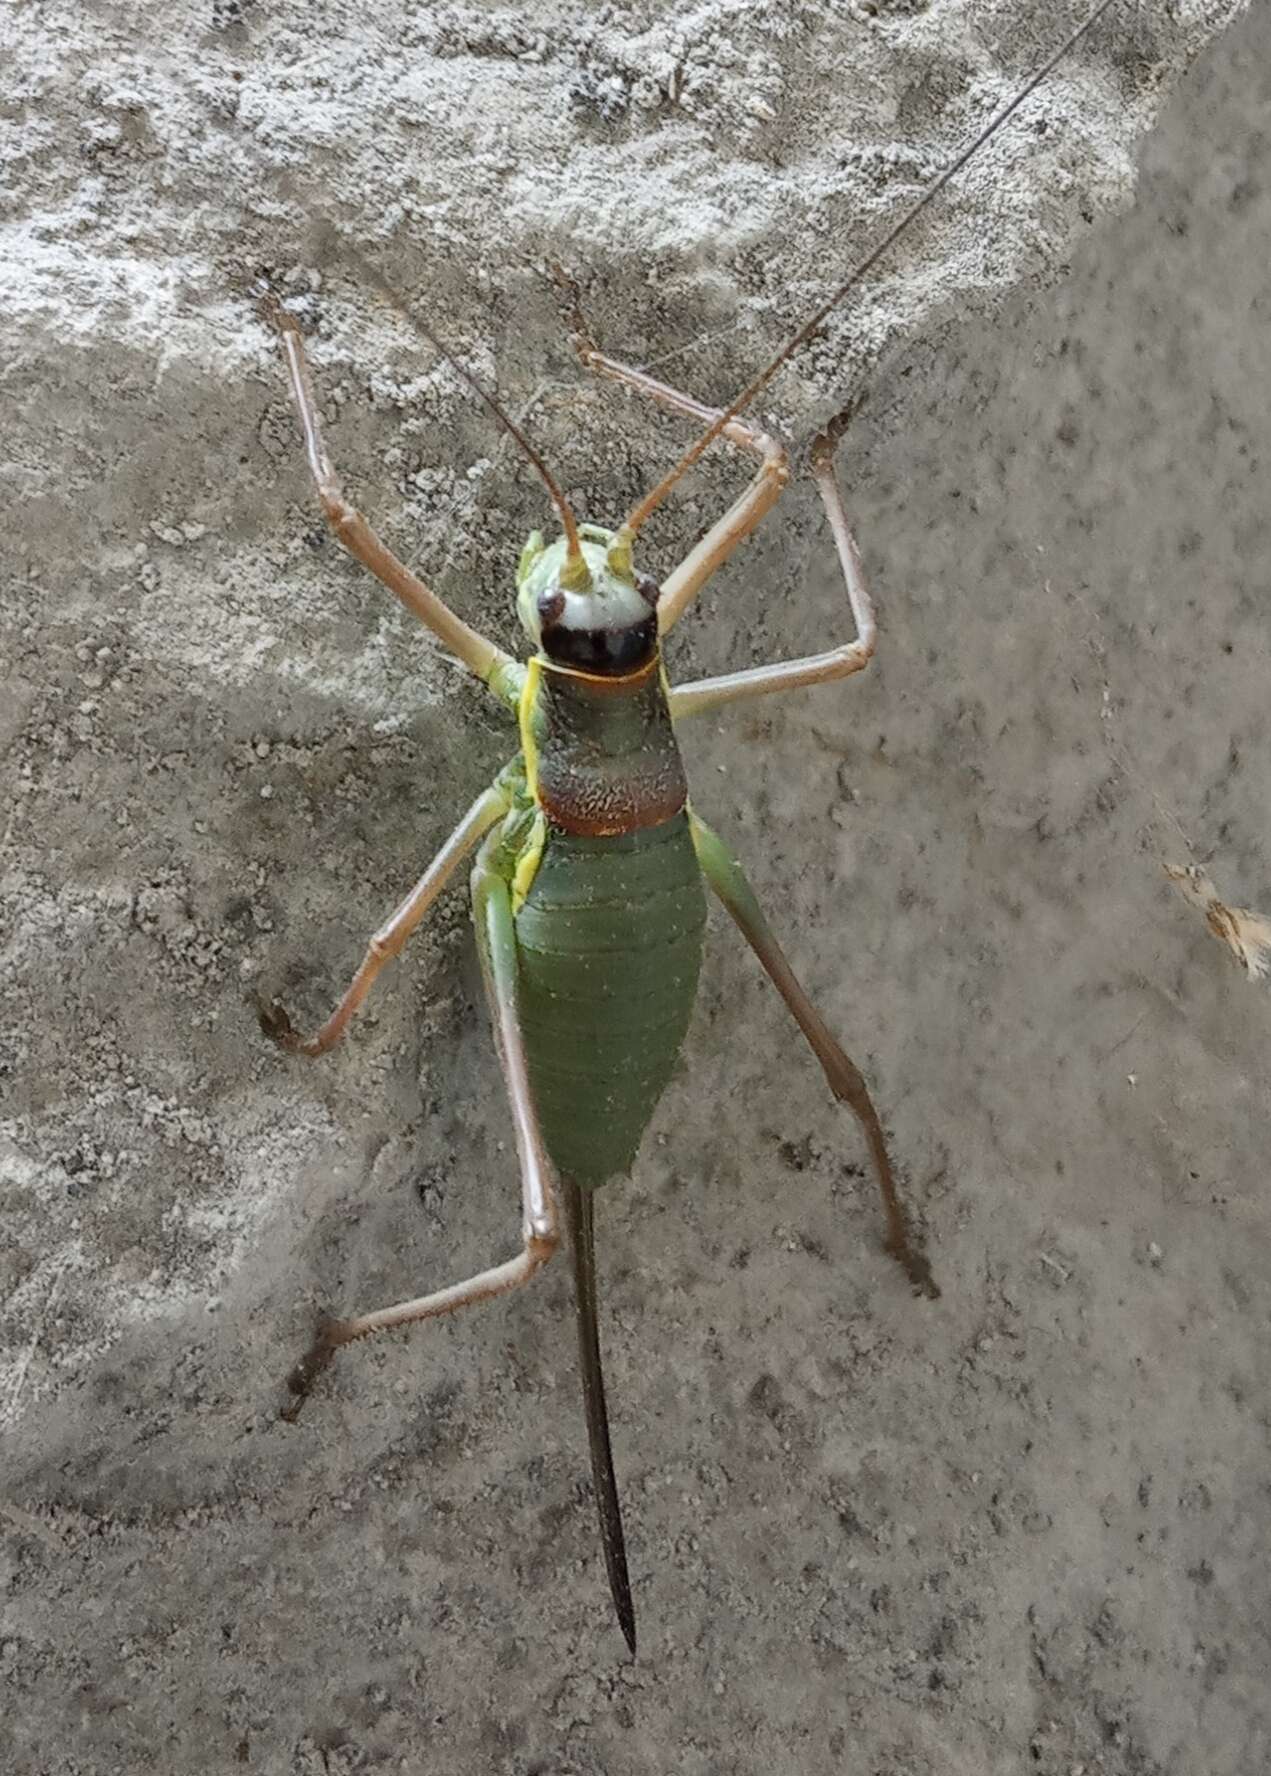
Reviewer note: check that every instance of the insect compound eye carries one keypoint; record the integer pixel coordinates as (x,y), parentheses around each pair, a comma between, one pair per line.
(550,606)
(649,590)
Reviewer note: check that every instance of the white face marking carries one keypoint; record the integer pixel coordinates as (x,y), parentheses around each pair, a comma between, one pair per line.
(611,601)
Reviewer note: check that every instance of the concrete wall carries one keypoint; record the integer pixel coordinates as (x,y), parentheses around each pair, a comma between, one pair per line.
(1021,1528)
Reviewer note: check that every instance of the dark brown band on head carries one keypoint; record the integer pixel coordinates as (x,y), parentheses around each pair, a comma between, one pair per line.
(603,652)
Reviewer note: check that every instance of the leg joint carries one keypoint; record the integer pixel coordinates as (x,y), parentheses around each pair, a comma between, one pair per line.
(340,515)
(776,459)
(859,653)
(541,1241)
(828,438)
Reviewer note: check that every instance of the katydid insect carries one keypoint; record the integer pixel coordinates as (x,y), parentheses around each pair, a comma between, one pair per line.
(587,884)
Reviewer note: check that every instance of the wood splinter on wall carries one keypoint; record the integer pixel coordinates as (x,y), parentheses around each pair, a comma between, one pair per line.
(1246,934)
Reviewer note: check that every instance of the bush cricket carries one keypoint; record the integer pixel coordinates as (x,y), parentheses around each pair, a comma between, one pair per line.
(587,882)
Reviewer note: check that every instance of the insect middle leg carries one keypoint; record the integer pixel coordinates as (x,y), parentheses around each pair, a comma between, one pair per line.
(391,937)
(726,877)
(496,943)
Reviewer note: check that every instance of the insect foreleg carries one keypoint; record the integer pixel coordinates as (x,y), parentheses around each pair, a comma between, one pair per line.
(495,668)
(391,937)
(725,876)
(752,504)
(496,942)
(838,662)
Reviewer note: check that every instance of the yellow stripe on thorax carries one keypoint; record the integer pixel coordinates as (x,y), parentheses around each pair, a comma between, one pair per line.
(527,863)
(525,718)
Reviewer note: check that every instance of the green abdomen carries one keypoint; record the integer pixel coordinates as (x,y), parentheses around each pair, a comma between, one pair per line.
(610,940)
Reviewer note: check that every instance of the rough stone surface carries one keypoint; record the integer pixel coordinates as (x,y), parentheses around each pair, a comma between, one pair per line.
(1022,1528)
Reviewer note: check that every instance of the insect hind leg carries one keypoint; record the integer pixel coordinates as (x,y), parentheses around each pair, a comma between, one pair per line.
(844,1078)
(496,942)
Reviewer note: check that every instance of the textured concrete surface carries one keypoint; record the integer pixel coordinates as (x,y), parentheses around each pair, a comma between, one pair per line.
(1022,1528)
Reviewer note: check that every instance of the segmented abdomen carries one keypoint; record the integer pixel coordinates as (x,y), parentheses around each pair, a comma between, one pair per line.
(610,941)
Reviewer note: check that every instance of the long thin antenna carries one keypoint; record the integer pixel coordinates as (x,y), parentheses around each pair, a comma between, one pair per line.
(573,550)
(652,500)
